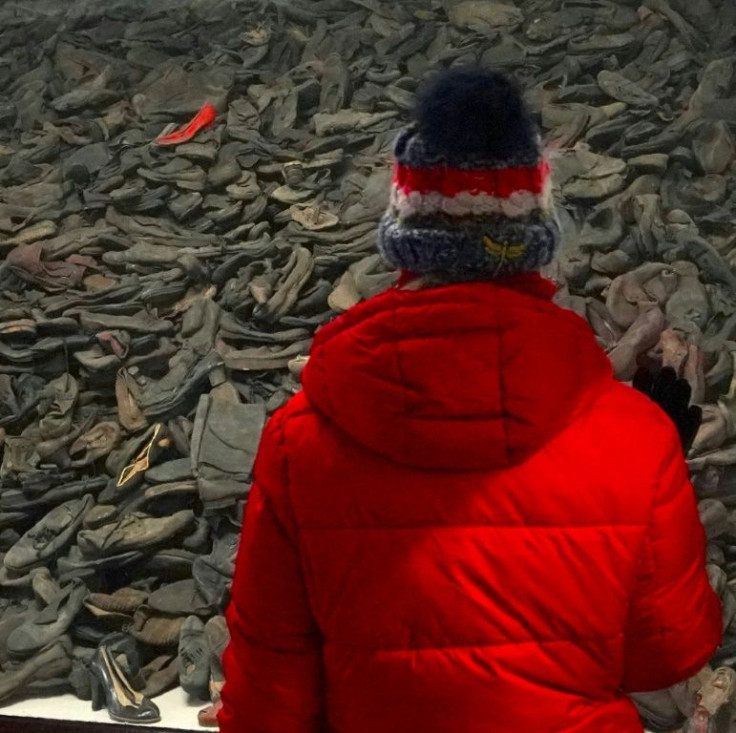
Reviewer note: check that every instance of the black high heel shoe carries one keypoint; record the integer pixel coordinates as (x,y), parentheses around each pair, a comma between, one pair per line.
(111,689)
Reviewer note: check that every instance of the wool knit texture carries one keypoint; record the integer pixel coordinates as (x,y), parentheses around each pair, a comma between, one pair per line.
(465,214)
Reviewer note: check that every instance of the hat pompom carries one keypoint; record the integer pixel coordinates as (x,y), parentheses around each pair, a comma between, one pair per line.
(470,112)
(470,195)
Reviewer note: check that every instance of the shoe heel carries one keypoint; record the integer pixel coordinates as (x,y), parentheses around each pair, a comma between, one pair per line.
(98,693)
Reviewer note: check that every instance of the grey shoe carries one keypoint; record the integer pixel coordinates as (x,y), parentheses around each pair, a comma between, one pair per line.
(161,675)
(179,469)
(14,500)
(52,662)
(134,532)
(19,396)
(170,563)
(100,515)
(224,444)
(658,711)
(201,152)
(641,336)
(218,637)
(185,205)
(129,192)
(179,599)
(14,616)
(618,87)
(170,395)
(57,403)
(161,499)
(224,173)
(262,358)
(194,659)
(293,278)
(200,324)
(49,537)
(213,573)
(76,565)
(49,624)
(95,443)
(178,171)
(141,324)
(93,94)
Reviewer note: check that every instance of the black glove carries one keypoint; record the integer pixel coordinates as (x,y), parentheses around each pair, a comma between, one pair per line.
(673,396)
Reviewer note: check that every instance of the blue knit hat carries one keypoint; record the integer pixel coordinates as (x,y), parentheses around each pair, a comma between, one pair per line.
(471,195)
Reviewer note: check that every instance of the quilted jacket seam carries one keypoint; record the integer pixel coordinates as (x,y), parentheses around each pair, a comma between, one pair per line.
(537,306)
(397,341)
(296,528)
(320,364)
(284,466)
(490,328)
(501,387)
(394,304)
(332,424)
(651,540)
(551,527)
(481,644)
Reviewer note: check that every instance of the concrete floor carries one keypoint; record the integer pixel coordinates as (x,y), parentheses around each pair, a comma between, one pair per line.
(177,711)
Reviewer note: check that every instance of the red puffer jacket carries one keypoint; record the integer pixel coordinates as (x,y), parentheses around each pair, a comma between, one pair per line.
(463,524)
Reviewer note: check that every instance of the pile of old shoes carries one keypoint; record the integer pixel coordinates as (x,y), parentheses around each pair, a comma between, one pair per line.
(188,193)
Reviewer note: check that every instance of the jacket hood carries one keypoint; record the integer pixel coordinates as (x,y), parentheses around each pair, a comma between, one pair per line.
(470,376)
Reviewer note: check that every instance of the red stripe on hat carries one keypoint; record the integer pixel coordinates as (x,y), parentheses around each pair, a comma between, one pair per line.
(500,182)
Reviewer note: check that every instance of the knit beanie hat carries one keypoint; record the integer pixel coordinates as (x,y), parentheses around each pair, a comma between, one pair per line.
(471,194)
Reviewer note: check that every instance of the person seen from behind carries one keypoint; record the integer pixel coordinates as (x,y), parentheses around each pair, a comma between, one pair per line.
(464,522)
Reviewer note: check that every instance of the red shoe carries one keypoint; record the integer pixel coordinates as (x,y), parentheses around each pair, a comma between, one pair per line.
(208,716)
(206,116)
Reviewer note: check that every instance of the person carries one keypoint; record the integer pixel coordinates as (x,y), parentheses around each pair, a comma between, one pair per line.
(463,522)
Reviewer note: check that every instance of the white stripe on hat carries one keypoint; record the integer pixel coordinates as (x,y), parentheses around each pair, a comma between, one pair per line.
(520,204)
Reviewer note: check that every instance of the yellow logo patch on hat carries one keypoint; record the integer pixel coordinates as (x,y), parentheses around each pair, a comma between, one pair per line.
(504,251)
